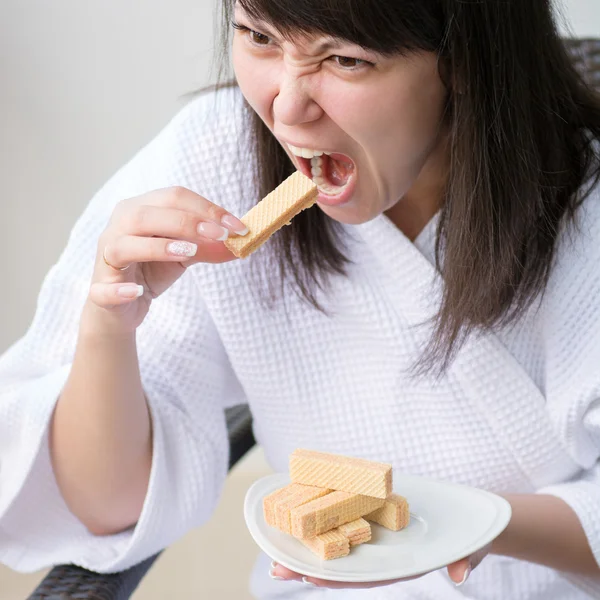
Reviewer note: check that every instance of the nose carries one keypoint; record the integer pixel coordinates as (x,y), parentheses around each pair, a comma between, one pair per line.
(294,103)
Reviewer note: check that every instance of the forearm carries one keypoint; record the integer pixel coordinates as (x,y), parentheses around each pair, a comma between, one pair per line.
(544,529)
(101,439)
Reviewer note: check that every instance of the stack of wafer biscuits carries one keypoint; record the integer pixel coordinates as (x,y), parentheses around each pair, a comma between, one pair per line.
(275,210)
(331,500)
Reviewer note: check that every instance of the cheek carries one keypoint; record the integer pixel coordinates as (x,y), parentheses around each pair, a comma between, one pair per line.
(349,105)
(407,120)
(253,80)
(423,99)
(346,107)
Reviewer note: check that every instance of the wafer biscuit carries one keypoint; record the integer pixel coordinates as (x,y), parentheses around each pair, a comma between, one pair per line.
(329,512)
(329,545)
(300,496)
(357,532)
(341,473)
(394,514)
(357,541)
(271,500)
(274,211)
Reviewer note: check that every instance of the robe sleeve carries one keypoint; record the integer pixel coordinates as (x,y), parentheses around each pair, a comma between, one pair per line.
(572,348)
(185,373)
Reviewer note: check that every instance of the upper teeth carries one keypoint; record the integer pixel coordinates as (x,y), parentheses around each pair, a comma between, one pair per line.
(306,152)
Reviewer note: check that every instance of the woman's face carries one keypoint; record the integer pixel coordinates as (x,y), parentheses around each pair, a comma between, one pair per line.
(380,117)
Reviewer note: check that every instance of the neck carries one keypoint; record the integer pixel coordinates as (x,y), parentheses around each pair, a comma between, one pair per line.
(423,200)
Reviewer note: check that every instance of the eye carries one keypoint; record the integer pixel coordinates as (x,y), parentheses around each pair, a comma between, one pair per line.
(257,38)
(351,64)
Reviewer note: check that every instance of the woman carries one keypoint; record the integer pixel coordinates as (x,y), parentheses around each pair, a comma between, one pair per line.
(436,310)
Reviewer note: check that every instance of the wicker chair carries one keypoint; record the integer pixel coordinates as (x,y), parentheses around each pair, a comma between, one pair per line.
(68,582)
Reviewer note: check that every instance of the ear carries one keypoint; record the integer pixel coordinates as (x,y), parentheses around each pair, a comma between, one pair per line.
(448,78)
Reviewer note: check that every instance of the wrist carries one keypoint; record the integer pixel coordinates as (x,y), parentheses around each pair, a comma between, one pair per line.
(544,529)
(502,544)
(100,325)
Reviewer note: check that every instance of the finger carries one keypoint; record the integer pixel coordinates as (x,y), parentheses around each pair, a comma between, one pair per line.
(181,198)
(125,250)
(108,295)
(128,249)
(282,572)
(459,571)
(158,221)
(152,249)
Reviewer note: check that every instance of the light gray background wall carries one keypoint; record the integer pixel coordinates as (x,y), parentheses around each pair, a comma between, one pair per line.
(82,86)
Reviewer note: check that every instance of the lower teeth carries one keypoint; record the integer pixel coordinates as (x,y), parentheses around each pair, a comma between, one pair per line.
(316,164)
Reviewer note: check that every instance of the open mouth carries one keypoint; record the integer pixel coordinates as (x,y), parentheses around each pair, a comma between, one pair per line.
(331,171)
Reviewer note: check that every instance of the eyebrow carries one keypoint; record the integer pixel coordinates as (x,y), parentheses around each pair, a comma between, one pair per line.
(329,42)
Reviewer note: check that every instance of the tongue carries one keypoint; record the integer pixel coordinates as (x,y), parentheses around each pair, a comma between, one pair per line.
(340,169)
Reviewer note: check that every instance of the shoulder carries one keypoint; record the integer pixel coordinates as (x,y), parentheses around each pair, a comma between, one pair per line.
(207,131)
(217,116)
(569,322)
(577,250)
(206,148)
(578,247)
(199,148)
(570,305)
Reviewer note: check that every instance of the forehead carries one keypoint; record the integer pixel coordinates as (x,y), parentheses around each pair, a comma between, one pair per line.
(316,41)
(387,27)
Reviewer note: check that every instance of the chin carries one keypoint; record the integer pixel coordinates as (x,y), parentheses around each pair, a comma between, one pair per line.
(351,213)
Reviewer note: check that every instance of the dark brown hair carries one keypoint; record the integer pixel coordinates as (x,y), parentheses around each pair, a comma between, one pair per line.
(522,127)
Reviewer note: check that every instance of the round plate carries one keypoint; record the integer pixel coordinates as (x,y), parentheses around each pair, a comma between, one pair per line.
(447,523)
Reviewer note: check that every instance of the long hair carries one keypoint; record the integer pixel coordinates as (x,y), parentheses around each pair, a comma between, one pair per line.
(522,125)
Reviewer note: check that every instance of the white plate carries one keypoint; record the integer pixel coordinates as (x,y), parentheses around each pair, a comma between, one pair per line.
(447,523)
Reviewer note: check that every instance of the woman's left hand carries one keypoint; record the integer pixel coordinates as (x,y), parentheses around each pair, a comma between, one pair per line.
(457,571)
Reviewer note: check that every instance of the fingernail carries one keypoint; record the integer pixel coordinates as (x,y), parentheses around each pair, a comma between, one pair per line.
(131,290)
(234,224)
(273,564)
(273,576)
(182,249)
(465,576)
(212,231)
(307,582)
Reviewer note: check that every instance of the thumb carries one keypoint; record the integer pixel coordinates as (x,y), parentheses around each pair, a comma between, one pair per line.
(460,570)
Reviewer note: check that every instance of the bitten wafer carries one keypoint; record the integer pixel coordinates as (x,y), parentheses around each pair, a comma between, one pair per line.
(394,514)
(357,532)
(329,545)
(329,512)
(274,211)
(341,473)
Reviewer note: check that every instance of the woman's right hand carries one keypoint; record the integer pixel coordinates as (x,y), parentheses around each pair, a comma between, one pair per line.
(146,247)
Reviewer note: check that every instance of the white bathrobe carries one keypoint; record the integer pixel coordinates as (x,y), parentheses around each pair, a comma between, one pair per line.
(518,411)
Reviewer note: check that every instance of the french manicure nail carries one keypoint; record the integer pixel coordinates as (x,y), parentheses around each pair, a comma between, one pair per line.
(276,577)
(130,290)
(182,249)
(212,231)
(465,576)
(234,224)
(273,564)
(307,582)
